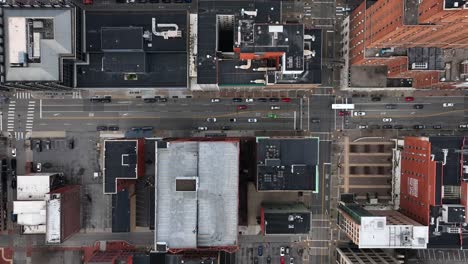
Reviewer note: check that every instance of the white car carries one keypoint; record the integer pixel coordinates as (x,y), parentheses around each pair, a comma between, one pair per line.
(447,104)
(463,126)
(387,119)
(202,128)
(282,251)
(13,152)
(359,113)
(38,167)
(249,100)
(275,107)
(252,120)
(363,126)
(215,100)
(211,119)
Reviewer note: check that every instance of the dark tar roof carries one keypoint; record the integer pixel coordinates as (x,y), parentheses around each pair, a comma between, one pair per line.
(120,161)
(454,3)
(432,56)
(286,219)
(121,212)
(287,164)
(116,48)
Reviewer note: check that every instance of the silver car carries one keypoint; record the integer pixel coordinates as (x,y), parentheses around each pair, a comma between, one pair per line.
(252,120)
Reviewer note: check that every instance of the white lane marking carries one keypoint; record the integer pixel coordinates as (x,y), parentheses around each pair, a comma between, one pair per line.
(56,114)
(66,124)
(32,102)
(40,108)
(43,124)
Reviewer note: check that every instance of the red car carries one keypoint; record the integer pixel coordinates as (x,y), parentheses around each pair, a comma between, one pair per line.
(343,113)
(409,99)
(286,100)
(282,260)
(88,2)
(241,107)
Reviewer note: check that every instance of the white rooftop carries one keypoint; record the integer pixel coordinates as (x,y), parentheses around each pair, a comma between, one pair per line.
(33,187)
(30,212)
(50,50)
(212,207)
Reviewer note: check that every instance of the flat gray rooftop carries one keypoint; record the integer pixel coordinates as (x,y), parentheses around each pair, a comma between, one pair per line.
(51,49)
(206,217)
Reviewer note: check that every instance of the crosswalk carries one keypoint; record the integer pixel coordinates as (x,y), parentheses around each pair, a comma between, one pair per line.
(19,135)
(11,116)
(77,95)
(22,95)
(30,115)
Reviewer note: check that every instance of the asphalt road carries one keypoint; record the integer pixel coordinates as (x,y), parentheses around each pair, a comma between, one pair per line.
(432,114)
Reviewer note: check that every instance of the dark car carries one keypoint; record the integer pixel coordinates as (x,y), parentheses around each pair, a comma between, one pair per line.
(38,145)
(13,164)
(101,128)
(409,99)
(263,100)
(135,128)
(419,126)
(237,100)
(268,260)
(391,106)
(315,120)
(113,128)
(374,127)
(163,100)
(260,250)
(398,127)
(375,99)
(437,126)
(147,128)
(418,106)
(71,144)
(154,1)
(4,163)
(241,107)
(149,100)
(226,128)
(274,100)
(387,126)
(47,144)
(13,183)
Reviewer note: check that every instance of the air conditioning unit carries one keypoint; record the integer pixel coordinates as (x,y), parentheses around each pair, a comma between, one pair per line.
(419,66)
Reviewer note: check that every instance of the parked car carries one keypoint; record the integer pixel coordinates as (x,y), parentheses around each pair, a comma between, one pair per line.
(202,128)
(387,126)
(147,128)
(374,126)
(249,100)
(71,144)
(13,164)
(286,100)
(88,2)
(114,128)
(150,100)
(215,100)
(268,260)
(386,119)
(282,260)
(390,106)
(274,100)
(343,113)
(272,115)
(47,165)
(375,99)
(260,250)
(211,119)
(291,260)
(252,120)
(13,152)
(255,260)
(241,107)
(409,99)
(398,127)
(263,100)
(437,126)
(315,120)
(359,113)
(418,106)
(281,251)
(38,145)
(13,183)
(225,128)
(447,104)
(419,126)
(275,107)
(101,128)
(38,167)
(362,126)
(233,120)
(237,100)
(463,126)
(47,144)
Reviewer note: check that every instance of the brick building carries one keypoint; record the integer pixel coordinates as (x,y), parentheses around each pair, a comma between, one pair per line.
(382,31)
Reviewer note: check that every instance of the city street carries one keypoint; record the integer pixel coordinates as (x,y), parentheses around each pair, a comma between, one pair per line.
(397,111)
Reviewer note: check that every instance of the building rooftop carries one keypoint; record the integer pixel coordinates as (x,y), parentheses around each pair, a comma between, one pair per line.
(36,40)
(285,219)
(34,186)
(287,164)
(120,162)
(135,49)
(250,45)
(197,194)
(121,212)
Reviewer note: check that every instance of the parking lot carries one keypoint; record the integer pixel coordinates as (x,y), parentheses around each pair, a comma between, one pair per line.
(249,253)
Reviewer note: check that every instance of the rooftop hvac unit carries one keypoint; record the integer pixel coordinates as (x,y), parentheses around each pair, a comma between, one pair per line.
(419,66)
